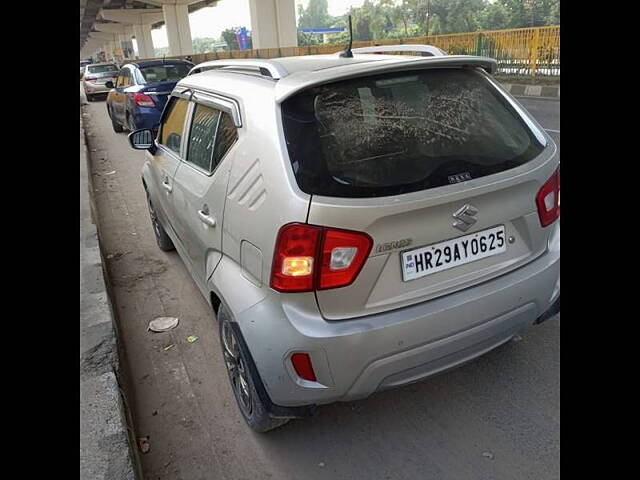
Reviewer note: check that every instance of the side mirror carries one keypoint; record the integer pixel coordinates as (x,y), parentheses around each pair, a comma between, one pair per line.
(109,84)
(142,140)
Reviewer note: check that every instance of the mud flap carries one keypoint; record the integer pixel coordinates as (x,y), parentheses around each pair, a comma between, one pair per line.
(276,411)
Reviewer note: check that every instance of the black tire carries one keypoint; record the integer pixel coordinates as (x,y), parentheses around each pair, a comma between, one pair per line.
(130,123)
(89,97)
(162,239)
(116,126)
(242,377)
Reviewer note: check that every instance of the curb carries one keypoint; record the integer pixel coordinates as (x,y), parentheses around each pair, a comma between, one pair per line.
(105,452)
(542,91)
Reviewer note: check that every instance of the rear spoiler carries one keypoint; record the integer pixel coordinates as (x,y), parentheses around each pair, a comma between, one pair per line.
(295,82)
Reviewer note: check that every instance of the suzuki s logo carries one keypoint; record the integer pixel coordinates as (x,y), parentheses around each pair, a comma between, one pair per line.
(465,217)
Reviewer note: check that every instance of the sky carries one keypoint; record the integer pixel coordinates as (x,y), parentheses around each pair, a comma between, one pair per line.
(211,21)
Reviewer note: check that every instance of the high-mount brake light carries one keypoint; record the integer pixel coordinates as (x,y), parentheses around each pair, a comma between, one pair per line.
(309,257)
(548,200)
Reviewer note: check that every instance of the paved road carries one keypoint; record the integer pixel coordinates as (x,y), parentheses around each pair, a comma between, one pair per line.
(547,112)
(497,417)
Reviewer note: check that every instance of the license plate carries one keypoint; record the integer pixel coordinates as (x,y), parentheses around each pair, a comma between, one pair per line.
(424,261)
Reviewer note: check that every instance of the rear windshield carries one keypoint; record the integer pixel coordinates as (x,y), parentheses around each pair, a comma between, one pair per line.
(102,68)
(402,132)
(164,73)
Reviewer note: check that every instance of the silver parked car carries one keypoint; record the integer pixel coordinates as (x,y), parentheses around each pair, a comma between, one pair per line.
(83,64)
(95,77)
(356,224)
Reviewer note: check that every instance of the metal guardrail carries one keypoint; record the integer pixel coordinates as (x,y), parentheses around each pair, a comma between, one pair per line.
(522,51)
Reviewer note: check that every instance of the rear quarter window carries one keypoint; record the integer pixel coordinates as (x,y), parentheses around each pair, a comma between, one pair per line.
(402,132)
(164,73)
(102,69)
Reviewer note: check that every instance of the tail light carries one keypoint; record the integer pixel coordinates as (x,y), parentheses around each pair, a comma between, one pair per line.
(143,100)
(88,79)
(548,200)
(309,257)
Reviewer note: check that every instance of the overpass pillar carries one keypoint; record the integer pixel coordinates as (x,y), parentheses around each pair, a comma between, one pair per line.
(123,38)
(108,51)
(116,50)
(144,40)
(273,23)
(176,18)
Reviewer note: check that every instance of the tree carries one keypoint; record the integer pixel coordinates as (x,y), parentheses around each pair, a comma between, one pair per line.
(229,36)
(204,45)
(380,19)
(362,30)
(494,17)
(316,15)
(532,13)
(402,14)
(457,15)
(306,39)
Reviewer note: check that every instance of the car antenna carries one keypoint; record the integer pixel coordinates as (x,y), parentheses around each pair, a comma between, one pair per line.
(346,53)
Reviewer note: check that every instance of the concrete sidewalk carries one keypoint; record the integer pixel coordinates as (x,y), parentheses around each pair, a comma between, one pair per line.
(104,446)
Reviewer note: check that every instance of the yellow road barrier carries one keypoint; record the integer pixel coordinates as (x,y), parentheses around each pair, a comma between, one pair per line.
(520,51)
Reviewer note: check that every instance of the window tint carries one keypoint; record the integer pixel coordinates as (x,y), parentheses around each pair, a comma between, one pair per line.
(212,134)
(226,137)
(173,124)
(402,132)
(125,80)
(202,136)
(102,68)
(164,73)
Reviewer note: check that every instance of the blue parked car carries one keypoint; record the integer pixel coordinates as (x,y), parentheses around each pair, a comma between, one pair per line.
(141,91)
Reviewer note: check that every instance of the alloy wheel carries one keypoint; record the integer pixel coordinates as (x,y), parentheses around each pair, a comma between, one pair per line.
(154,218)
(237,368)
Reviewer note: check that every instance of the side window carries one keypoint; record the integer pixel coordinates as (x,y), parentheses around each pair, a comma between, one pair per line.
(126,80)
(120,79)
(226,137)
(139,79)
(173,124)
(202,137)
(212,134)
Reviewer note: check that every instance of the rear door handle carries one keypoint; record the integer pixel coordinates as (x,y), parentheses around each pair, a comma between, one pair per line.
(206,218)
(165,184)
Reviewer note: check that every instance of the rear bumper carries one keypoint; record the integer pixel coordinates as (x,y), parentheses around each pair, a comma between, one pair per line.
(551,311)
(146,117)
(91,88)
(355,358)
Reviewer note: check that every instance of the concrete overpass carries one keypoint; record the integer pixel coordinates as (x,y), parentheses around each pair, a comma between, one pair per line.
(109,25)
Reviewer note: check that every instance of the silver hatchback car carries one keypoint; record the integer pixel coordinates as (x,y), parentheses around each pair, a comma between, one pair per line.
(356,224)
(95,77)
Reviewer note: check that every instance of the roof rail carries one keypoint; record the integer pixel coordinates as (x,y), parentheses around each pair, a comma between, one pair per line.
(267,68)
(429,50)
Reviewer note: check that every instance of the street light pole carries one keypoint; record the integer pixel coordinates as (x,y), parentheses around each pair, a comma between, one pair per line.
(428,16)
